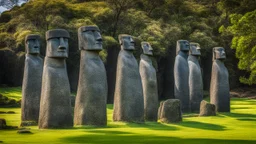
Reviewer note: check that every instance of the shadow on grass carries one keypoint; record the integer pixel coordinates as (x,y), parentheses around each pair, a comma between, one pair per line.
(239,115)
(153,126)
(200,125)
(246,119)
(110,138)
(244,107)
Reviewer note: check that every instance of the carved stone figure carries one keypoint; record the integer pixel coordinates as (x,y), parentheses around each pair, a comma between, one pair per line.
(195,78)
(181,73)
(128,98)
(91,99)
(149,83)
(219,92)
(55,106)
(32,80)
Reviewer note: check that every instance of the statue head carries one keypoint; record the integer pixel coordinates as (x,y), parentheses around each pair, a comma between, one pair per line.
(32,44)
(218,53)
(126,42)
(182,45)
(89,38)
(195,49)
(57,43)
(147,49)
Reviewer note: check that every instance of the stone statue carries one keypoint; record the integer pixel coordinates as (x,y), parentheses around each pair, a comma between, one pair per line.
(128,98)
(195,78)
(181,73)
(91,99)
(32,80)
(219,90)
(149,83)
(55,105)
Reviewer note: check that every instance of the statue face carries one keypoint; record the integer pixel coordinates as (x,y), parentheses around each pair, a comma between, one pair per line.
(147,49)
(184,45)
(57,47)
(195,49)
(33,46)
(90,39)
(219,53)
(127,42)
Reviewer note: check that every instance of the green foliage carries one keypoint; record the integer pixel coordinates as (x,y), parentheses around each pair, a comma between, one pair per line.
(160,22)
(244,41)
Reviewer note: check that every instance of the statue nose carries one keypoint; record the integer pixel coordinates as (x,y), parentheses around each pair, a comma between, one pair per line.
(62,44)
(98,37)
(36,44)
(132,41)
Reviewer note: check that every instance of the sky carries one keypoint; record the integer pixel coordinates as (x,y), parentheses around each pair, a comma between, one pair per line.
(2,9)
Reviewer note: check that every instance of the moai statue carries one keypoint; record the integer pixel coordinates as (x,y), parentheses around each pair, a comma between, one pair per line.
(91,99)
(32,80)
(195,78)
(55,105)
(128,98)
(149,83)
(181,73)
(219,91)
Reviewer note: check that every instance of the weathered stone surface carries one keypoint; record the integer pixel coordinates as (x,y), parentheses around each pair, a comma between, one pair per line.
(2,123)
(32,80)
(128,99)
(55,106)
(91,99)
(195,78)
(181,74)
(149,83)
(219,92)
(207,109)
(170,111)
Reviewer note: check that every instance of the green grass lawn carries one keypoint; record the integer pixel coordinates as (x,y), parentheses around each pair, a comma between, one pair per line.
(236,127)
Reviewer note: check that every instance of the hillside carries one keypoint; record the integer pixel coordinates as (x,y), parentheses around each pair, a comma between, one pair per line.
(162,23)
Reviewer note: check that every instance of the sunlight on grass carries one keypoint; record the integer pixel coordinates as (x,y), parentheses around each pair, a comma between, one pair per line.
(236,127)
(11,92)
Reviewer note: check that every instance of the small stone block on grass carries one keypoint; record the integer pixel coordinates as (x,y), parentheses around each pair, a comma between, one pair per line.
(207,109)
(170,111)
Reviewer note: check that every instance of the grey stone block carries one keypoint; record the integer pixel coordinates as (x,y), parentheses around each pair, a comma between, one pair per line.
(219,91)
(170,111)
(128,98)
(55,105)
(91,99)
(207,109)
(149,83)
(32,80)
(181,75)
(195,78)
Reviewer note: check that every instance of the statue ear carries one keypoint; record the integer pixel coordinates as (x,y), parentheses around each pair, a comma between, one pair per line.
(120,42)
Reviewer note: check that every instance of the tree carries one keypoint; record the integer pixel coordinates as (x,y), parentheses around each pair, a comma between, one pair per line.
(119,7)
(244,42)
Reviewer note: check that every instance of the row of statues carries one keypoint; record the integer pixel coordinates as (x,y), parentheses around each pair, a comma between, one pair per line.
(46,88)
(188,78)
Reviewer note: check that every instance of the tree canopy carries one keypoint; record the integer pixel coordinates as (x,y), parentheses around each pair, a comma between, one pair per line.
(227,23)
